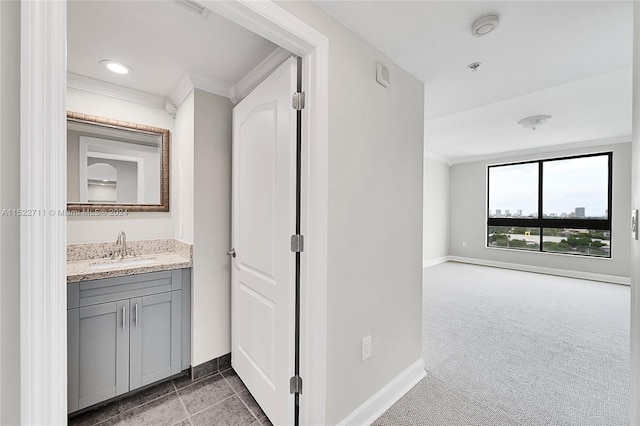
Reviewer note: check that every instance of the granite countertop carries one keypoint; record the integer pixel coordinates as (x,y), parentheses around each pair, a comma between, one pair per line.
(155,258)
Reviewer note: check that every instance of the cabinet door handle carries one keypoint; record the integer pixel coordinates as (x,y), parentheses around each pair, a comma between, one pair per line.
(136,314)
(124,315)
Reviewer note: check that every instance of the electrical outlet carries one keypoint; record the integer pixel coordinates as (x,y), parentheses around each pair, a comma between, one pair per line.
(367,348)
(464,244)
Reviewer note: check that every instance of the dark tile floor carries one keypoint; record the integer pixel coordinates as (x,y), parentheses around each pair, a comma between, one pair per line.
(219,398)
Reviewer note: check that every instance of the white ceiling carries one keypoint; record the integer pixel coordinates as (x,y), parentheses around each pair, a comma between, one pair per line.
(160,40)
(569,59)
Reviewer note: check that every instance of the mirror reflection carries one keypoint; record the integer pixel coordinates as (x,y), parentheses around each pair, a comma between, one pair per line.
(116,164)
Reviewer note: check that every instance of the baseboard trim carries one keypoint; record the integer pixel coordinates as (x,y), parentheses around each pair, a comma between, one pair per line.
(382,400)
(433,262)
(208,367)
(615,279)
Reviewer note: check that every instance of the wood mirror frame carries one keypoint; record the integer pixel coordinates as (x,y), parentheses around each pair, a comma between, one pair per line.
(164,134)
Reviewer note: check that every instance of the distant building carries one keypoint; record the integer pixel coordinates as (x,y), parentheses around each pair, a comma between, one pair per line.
(580,212)
(519,213)
(498,212)
(506,212)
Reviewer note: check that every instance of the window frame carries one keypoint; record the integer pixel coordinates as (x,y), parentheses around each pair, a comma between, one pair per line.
(541,222)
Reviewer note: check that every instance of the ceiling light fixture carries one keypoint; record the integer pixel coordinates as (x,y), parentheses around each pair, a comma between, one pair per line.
(116,67)
(534,122)
(485,24)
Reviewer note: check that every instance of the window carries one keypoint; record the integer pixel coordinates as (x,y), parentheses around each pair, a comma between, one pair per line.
(560,205)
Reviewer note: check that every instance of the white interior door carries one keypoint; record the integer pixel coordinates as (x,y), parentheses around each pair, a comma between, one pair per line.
(263,272)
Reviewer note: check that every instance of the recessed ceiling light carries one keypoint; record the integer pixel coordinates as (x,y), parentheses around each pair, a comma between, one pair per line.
(534,122)
(484,25)
(116,67)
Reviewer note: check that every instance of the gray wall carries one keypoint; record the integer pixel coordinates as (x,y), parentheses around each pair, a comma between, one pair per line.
(469,206)
(635,245)
(9,199)
(212,222)
(436,211)
(374,218)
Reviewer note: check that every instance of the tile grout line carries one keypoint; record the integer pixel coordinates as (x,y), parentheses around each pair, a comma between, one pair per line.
(211,406)
(104,420)
(148,402)
(241,400)
(184,407)
(193,382)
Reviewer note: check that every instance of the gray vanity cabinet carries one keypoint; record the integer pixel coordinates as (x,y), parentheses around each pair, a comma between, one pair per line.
(154,350)
(98,357)
(125,333)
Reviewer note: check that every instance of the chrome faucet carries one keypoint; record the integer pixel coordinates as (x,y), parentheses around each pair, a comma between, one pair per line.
(121,246)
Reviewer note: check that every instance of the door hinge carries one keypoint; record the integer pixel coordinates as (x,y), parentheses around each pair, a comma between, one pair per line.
(295,385)
(298,101)
(297,243)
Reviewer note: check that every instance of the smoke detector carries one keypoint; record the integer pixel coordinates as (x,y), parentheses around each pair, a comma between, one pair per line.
(484,25)
(534,122)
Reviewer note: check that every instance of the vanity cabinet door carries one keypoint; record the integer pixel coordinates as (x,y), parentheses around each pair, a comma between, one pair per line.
(98,353)
(155,337)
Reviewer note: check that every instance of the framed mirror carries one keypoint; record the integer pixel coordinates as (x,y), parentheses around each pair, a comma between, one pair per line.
(114,164)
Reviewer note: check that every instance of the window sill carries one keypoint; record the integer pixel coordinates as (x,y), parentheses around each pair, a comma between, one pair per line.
(549,253)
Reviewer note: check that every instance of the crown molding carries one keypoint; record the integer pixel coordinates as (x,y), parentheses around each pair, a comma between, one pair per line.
(543,149)
(190,81)
(170,104)
(181,90)
(184,86)
(437,157)
(99,87)
(254,77)
(211,85)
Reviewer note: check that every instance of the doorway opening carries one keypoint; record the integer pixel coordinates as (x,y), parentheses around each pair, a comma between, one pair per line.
(43,395)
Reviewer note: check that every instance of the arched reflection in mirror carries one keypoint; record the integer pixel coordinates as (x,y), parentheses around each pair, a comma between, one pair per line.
(102,183)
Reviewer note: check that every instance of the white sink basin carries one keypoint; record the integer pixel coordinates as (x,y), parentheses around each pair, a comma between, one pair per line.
(122,263)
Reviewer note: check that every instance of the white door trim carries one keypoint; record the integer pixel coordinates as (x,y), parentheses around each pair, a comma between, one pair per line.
(284,29)
(43,233)
(43,186)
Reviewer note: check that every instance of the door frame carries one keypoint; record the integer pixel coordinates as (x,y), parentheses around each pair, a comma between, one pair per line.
(43,325)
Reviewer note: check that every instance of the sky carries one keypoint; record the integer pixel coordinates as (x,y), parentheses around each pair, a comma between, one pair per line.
(580,182)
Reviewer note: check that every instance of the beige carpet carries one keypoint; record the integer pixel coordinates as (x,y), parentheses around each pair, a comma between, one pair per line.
(505,347)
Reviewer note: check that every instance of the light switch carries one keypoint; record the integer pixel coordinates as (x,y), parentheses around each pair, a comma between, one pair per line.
(634,224)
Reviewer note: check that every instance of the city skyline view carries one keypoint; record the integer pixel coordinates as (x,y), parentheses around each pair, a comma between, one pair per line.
(568,184)
(578,212)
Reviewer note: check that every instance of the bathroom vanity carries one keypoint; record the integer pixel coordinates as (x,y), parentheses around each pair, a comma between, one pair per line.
(129,324)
